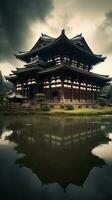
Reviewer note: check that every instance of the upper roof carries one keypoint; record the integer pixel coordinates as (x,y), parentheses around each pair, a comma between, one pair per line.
(46,45)
(37,61)
(43,40)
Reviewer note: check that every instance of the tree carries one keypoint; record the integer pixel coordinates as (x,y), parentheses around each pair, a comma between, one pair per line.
(41,98)
(106,92)
(2,98)
(5,86)
(102,102)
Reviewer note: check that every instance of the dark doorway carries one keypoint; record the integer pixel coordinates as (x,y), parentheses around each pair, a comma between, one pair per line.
(55,95)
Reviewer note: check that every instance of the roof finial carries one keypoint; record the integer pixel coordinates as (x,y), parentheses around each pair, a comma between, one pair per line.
(63,31)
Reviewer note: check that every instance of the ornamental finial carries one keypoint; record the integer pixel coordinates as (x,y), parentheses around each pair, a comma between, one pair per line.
(63,31)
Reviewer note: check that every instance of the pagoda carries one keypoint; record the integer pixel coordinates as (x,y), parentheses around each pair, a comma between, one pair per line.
(61,69)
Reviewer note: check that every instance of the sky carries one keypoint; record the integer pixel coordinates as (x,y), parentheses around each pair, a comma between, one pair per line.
(23,21)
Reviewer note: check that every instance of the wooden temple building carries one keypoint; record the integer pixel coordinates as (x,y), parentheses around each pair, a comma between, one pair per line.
(60,68)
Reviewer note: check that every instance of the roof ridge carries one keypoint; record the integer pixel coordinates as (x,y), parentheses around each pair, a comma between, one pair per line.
(42,35)
(77,36)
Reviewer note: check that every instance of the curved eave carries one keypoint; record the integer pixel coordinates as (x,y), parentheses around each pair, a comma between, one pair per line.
(28,70)
(80,39)
(81,72)
(62,38)
(43,39)
(11,78)
(17,71)
(35,63)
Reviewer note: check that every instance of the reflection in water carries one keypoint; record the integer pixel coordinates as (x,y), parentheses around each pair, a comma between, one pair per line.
(61,152)
(4,136)
(104,151)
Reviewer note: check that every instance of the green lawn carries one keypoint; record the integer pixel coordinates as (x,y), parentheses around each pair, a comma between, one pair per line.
(75,112)
(83,111)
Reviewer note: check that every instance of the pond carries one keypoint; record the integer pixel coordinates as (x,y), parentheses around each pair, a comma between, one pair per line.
(59,158)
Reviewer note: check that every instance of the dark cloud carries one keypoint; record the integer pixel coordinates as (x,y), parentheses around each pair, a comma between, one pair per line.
(108,26)
(109,18)
(19,17)
(93,6)
(104,32)
(16,17)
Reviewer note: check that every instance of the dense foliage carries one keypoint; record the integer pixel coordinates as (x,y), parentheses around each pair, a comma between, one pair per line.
(106,93)
(69,107)
(45,108)
(2,98)
(41,98)
(5,86)
(102,102)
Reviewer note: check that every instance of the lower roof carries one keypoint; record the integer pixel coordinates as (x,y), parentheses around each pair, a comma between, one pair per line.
(74,70)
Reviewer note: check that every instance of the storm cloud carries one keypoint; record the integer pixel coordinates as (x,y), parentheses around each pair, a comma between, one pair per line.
(15,19)
(22,21)
(104,32)
(108,30)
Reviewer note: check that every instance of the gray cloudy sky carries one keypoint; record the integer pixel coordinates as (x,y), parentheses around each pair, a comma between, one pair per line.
(21,23)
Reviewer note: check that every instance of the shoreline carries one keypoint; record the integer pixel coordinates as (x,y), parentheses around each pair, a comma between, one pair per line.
(61,112)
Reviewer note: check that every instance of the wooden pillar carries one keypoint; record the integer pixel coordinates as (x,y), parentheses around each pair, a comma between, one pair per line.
(97,91)
(62,90)
(27,91)
(36,88)
(16,87)
(72,96)
(86,94)
(33,90)
(22,88)
(92,95)
(49,90)
(79,91)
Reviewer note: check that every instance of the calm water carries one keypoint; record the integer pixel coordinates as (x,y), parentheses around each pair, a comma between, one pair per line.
(55,158)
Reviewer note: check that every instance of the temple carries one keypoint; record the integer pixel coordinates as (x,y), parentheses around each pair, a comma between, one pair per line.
(60,68)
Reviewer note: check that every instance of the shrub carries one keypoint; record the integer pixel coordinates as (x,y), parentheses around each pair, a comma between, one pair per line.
(41,98)
(2,98)
(69,107)
(45,108)
(101,101)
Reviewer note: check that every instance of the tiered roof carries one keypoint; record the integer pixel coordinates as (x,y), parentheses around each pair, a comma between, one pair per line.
(46,45)
(44,71)
(93,76)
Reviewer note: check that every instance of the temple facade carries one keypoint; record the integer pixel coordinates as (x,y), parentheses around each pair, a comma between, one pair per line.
(60,68)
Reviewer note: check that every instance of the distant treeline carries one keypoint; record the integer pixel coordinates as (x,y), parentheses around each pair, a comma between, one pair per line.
(5,86)
(106,92)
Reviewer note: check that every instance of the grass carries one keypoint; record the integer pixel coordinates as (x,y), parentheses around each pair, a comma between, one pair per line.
(75,112)
(83,111)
